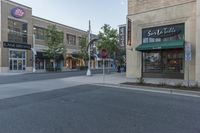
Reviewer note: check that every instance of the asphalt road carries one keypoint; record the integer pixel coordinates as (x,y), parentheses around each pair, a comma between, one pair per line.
(44,76)
(95,109)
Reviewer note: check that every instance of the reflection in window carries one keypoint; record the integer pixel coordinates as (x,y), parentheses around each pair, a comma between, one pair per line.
(152,62)
(39,33)
(167,61)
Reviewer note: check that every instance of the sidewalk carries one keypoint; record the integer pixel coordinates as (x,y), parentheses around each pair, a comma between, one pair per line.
(111,80)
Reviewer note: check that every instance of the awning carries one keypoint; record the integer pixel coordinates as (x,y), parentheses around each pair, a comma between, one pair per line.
(161,45)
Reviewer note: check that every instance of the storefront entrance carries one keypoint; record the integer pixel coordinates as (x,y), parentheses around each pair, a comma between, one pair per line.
(17,60)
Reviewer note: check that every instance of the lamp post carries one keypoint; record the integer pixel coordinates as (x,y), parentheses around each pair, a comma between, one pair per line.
(34,53)
(89,50)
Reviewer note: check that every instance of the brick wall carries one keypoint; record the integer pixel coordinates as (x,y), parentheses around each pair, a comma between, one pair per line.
(138,6)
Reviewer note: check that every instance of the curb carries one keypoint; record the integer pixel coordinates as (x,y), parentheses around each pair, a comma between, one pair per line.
(154,89)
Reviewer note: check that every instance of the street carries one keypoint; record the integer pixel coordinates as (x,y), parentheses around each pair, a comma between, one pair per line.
(96,109)
(44,76)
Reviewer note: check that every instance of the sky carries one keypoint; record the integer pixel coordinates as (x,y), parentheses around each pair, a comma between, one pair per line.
(77,13)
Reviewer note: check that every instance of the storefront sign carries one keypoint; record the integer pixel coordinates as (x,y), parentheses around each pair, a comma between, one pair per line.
(16,45)
(188,52)
(18,12)
(163,31)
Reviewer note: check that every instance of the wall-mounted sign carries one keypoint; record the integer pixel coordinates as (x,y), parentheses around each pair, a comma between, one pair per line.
(188,52)
(18,12)
(163,31)
(16,45)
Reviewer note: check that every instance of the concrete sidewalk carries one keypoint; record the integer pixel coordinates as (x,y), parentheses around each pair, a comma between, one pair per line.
(114,80)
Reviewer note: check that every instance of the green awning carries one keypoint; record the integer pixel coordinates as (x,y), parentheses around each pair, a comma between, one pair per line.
(161,45)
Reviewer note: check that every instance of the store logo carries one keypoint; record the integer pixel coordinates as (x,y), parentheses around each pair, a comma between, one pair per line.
(18,12)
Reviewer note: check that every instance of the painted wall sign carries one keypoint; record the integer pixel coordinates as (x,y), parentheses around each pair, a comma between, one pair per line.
(16,45)
(163,31)
(18,12)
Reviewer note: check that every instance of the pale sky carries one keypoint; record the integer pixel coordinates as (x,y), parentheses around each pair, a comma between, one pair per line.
(77,13)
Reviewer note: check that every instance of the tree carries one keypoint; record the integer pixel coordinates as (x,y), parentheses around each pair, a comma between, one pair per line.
(54,41)
(83,49)
(108,39)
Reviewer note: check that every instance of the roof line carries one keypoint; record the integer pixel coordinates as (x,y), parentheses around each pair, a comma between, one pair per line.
(57,23)
(17,3)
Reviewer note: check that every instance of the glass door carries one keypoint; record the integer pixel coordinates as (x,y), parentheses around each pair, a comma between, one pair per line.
(17,60)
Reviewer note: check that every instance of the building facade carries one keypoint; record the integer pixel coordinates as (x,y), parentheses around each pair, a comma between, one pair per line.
(21,32)
(157,33)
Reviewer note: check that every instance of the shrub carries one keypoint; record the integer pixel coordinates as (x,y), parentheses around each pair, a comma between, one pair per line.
(140,80)
(179,85)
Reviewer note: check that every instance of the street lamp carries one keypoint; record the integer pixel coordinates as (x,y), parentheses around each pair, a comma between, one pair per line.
(89,53)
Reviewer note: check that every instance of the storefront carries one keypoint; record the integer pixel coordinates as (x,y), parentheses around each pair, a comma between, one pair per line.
(157,36)
(162,51)
(22,36)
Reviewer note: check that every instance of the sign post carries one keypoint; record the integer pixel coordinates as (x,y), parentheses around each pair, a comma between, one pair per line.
(104,55)
(188,58)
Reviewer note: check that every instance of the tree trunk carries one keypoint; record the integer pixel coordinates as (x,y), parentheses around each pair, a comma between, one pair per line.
(54,64)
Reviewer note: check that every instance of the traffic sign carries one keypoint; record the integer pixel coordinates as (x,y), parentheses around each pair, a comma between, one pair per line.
(104,53)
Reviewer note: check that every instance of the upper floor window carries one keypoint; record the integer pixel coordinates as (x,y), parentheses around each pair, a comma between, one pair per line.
(39,33)
(17,31)
(71,39)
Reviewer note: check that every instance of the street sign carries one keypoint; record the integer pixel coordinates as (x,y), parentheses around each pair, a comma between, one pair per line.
(104,53)
(188,52)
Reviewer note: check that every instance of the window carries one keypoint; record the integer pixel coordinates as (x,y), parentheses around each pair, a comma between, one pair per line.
(71,39)
(17,31)
(39,33)
(167,61)
(79,41)
(152,62)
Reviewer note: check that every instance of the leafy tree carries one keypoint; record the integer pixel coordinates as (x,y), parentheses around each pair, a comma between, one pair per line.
(108,39)
(120,56)
(54,41)
(83,48)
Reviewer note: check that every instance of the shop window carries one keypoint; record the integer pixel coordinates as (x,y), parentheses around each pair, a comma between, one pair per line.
(17,31)
(167,61)
(152,62)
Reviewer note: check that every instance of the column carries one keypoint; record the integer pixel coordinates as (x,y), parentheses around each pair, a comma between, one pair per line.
(198,41)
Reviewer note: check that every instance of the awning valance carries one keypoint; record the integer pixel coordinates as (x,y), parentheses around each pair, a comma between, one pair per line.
(161,45)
